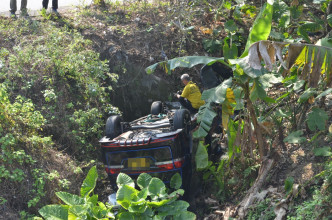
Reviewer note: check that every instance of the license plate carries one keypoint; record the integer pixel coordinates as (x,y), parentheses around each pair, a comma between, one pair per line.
(138,163)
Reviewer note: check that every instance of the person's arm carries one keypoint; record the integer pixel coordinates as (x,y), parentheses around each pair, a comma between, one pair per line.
(185,93)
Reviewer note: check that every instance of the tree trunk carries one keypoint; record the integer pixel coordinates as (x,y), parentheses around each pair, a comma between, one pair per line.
(249,199)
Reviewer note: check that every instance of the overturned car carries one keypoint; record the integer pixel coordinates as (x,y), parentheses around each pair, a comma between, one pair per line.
(159,144)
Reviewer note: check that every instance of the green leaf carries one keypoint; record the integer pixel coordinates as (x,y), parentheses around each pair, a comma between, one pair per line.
(176,193)
(174,208)
(298,84)
(281,13)
(295,137)
(323,151)
(124,179)
(176,181)
(230,26)
(70,199)
(326,42)
(317,118)
(329,19)
(277,36)
(212,45)
(261,27)
(247,69)
(185,215)
(239,98)
(201,156)
(126,216)
(229,52)
(138,207)
(89,182)
(306,95)
(142,194)
(205,118)
(326,92)
(259,92)
(143,180)
(77,211)
(296,11)
(217,94)
(156,187)
(282,113)
(289,184)
(268,79)
(54,212)
(156,204)
(126,195)
(188,62)
(308,27)
(93,199)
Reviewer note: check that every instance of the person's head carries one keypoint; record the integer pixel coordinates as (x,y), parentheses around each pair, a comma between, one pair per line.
(185,78)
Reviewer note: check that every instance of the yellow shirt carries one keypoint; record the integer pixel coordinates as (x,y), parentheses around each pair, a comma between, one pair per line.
(192,93)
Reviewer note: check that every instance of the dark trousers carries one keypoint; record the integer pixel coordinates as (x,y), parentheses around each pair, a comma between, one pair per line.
(13,6)
(186,104)
(54,4)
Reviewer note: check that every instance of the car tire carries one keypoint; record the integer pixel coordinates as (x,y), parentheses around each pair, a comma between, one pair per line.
(181,120)
(156,108)
(113,126)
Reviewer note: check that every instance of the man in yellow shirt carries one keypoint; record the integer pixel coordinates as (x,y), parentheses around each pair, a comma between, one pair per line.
(191,96)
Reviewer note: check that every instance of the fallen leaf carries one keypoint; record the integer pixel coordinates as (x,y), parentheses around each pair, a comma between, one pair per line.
(311,100)
(205,30)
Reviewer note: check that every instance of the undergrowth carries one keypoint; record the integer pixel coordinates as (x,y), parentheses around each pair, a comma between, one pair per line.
(53,98)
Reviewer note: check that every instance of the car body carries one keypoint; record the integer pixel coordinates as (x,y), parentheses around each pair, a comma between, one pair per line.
(159,144)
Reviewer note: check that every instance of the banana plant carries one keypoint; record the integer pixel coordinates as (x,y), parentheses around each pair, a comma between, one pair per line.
(262,64)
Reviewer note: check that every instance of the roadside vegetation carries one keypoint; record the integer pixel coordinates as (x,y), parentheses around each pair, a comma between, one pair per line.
(57,75)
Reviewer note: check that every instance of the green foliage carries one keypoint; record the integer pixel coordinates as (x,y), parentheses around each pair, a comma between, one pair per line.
(309,27)
(323,151)
(261,27)
(212,45)
(124,179)
(207,112)
(17,118)
(71,87)
(317,119)
(281,13)
(201,156)
(176,181)
(54,212)
(262,210)
(89,183)
(53,93)
(289,184)
(310,209)
(81,207)
(214,174)
(152,200)
(295,137)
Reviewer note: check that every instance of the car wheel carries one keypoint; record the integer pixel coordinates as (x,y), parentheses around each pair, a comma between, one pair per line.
(156,108)
(113,126)
(181,120)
